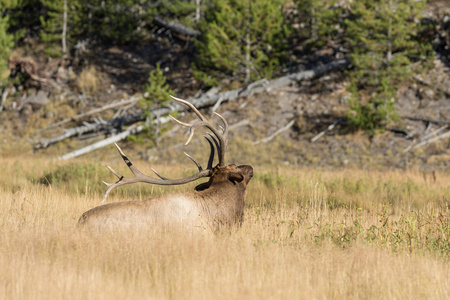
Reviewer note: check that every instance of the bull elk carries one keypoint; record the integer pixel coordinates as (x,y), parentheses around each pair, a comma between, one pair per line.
(214,204)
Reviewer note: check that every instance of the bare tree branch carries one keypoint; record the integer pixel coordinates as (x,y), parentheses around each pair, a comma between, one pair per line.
(325,131)
(273,135)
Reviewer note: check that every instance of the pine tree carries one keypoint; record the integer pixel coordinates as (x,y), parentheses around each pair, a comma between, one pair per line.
(6,39)
(184,12)
(322,21)
(383,44)
(245,39)
(110,21)
(55,32)
(24,18)
(157,91)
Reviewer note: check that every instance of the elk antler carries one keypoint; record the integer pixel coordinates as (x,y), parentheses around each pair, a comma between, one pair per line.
(141,177)
(221,136)
(221,145)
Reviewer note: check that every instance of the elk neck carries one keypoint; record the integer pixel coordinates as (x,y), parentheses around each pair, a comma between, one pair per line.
(226,189)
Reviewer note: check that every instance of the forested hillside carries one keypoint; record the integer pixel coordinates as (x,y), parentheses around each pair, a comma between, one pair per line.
(321,82)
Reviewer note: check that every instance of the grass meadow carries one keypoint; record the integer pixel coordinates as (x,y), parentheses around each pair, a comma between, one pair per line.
(307,234)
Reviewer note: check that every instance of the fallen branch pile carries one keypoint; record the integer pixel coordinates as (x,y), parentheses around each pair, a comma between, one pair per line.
(431,137)
(115,127)
(110,127)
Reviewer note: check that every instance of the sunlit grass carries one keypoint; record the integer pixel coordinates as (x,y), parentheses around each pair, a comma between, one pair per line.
(345,234)
(88,80)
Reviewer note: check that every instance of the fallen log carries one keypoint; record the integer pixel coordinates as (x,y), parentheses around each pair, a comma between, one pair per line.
(130,100)
(208,100)
(325,131)
(133,129)
(431,134)
(424,140)
(442,122)
(176,27)
(264,85)
(108,127)
(103,143)
(432,140)
(273,135)
(310,74)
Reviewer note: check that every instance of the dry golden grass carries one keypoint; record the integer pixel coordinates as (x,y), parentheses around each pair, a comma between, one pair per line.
(88,81)
(307,235)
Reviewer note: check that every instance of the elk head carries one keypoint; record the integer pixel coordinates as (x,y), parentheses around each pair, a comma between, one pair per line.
(215,203)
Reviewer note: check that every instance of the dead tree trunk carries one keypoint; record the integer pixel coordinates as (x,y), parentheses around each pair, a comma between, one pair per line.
(210,100)
(64,31)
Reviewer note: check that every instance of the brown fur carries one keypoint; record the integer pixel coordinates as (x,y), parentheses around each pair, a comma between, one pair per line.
(213,205)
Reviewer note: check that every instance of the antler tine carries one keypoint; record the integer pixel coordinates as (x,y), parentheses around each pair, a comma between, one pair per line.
(179,122)
(194,161)
(190,106)
(221,136)
(215,141)
(110,187)
(114,172)
(211,153)
(141,177)
(200,168)
(159,175)
(192,127)
(225,124)
(133,169)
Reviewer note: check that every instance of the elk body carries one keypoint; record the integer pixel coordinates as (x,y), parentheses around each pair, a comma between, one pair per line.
(214,204)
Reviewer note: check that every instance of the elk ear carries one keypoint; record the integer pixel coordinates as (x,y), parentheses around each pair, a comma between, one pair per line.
(202,186)
(235,177)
